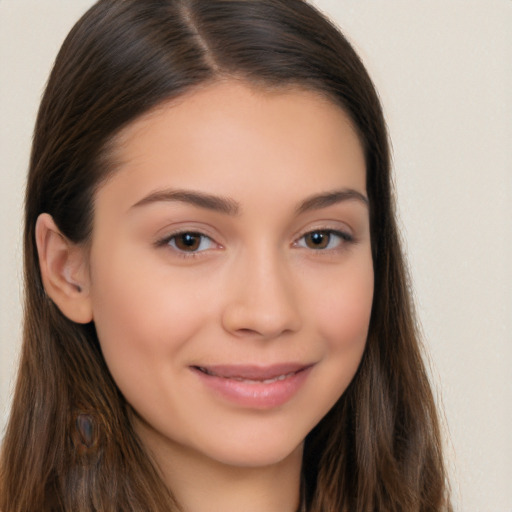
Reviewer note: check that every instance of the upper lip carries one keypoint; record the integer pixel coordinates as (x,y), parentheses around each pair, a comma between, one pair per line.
(253,372)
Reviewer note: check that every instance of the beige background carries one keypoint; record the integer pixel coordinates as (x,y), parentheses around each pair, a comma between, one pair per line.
(444,72)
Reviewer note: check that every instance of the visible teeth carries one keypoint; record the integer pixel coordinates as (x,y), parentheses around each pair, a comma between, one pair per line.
(266,381)
(251,381)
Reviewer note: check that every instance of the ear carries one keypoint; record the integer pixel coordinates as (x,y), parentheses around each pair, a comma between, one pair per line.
(64,270)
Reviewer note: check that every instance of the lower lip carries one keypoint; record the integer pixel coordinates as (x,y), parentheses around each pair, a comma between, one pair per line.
(255,395)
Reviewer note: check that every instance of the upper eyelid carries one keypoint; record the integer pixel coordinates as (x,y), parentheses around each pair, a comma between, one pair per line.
(343,235)
(334,226)
(170,231)
(330,225)
(165,241)
(170,236)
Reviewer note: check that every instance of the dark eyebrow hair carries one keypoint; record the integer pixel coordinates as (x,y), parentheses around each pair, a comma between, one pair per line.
(326,199)
(230,207)
(208,201)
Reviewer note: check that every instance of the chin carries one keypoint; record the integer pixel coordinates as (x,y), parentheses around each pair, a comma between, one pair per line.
(259,458)
(256,454)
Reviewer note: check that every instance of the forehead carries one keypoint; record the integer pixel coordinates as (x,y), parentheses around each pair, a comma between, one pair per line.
(232,138)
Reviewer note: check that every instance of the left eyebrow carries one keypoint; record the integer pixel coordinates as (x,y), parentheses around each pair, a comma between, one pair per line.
(319,201)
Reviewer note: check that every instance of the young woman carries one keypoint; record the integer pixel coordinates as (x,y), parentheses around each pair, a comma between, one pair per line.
(217,314)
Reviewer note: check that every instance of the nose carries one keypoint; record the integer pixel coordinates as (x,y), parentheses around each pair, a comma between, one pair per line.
(262,299)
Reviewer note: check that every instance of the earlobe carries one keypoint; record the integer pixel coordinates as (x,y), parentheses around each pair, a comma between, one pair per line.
(64,271)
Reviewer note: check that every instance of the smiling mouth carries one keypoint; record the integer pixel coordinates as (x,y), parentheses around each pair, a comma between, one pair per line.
(254,374)
(255,387)
(249,380)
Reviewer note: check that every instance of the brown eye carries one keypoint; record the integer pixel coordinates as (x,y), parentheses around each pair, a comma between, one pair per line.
(317,239)
(190,242)
(324,239)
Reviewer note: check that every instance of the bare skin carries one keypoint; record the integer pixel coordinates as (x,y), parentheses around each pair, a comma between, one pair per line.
(230,279)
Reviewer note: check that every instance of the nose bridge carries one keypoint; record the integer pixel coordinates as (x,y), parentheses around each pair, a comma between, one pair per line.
(262,299)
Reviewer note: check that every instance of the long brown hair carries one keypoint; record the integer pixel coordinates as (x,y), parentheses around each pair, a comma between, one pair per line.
(69,444)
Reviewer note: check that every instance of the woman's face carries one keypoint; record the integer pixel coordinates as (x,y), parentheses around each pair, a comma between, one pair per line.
(231,276)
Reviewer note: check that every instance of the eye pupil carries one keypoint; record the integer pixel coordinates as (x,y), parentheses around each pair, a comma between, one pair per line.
(317,240)
(188,241)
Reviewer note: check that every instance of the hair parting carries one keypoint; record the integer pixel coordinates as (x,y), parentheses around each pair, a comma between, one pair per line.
(69,444)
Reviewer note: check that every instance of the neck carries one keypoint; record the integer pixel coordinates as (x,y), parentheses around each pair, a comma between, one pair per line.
(199,483)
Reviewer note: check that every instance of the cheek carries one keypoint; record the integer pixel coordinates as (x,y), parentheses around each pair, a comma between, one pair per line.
(143,319)
(346,316)
(343,311)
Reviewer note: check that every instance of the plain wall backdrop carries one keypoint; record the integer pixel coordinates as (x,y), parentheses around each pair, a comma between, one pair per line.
(443,69)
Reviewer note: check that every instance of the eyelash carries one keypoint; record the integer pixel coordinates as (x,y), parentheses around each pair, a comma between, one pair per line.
(343,237)
(168,241)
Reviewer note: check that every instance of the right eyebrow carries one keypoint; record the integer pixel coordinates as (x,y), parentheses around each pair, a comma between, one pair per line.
(200,199)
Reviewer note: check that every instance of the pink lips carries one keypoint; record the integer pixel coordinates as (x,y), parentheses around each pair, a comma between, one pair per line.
(255,386)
